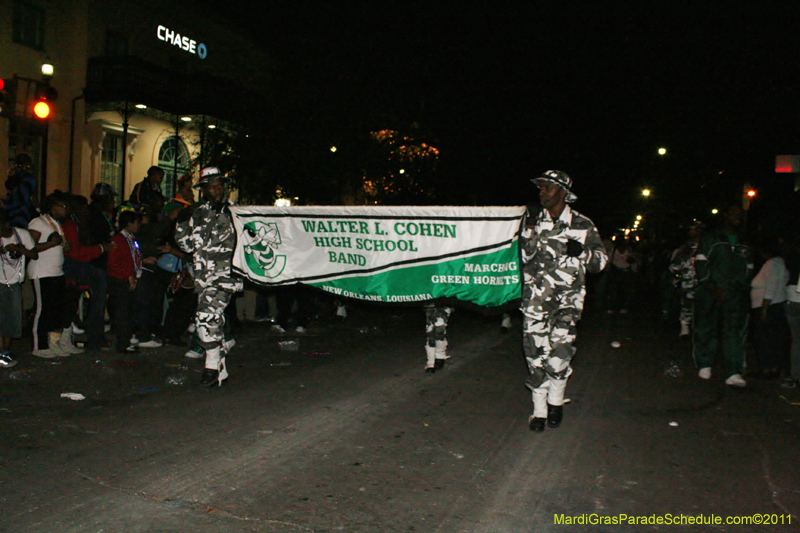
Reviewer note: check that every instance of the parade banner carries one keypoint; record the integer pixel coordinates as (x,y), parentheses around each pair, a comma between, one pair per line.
(384,253)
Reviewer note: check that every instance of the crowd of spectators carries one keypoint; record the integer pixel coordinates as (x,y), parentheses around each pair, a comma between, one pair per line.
(96,266)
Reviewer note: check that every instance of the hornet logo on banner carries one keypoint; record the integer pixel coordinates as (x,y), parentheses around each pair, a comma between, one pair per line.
(261,239)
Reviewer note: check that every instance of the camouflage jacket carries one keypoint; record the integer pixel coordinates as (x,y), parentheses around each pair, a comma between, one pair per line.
(682,266)
(550,274)
(211,238)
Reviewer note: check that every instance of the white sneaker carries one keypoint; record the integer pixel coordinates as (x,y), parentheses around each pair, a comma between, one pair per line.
(6,361)
(77,331)
(66,344)
(300,329)
(134,340)
(705,373)
(191,354)
(54,347)
(152,343)
(44,354)
(736,381)
(277,328)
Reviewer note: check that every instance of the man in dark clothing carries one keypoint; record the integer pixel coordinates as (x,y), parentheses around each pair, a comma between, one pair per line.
(724,265)
(146,196)
(21,184)
(152,237)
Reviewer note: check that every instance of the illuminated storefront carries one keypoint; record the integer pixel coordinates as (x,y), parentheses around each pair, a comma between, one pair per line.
(138,84)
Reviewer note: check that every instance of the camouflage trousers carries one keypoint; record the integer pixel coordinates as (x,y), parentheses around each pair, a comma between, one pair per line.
(210,321)
(547,342)
(687,306)
(436,323)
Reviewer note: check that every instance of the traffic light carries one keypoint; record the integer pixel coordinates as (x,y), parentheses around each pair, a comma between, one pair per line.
(42,105)
(8,97)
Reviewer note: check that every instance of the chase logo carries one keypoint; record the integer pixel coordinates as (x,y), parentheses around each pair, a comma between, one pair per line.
(183,42)
(261,239)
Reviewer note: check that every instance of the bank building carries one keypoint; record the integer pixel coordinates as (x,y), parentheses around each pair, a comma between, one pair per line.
(101,90)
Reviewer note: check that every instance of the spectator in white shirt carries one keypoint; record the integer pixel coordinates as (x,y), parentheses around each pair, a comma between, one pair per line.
(768,315)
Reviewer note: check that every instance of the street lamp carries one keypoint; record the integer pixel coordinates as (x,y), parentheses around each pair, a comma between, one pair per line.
(645,192)
(47,69)
(662,151)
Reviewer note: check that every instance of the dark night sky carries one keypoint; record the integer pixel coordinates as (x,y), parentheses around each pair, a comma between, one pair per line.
(508,90)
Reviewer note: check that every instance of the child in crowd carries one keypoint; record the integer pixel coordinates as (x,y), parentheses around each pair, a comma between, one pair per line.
(124,268)
(16,245)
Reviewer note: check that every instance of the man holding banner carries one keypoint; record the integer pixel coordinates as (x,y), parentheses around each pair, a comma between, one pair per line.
(559,246)
(209,235)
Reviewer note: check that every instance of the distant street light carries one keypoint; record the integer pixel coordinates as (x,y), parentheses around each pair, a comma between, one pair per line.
(333,149)
(645,192)
(662,151)
(714,211)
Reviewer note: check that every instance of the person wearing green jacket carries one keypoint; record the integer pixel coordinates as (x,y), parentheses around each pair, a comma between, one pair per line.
(724,264)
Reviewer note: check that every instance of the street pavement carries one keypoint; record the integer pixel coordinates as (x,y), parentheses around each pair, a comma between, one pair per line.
(347,433)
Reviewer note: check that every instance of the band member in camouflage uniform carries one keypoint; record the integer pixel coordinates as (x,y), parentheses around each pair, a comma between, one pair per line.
(559,246)
(210,236)
(436,318)
(682,266)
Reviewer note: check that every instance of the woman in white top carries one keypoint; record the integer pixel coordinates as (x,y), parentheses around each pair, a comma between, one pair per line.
(47,276)
(768,303)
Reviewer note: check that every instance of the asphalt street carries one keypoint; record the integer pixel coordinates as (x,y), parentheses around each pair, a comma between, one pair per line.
(347,433)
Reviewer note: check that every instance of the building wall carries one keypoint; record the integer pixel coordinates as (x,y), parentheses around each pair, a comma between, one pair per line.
(76,30)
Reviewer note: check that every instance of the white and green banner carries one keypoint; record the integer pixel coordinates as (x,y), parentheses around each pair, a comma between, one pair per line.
(384,253)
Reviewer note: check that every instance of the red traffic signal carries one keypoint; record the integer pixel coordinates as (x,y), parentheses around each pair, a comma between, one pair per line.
(8,96)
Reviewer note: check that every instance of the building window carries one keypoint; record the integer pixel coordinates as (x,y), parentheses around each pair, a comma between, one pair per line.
(173,156)
(111,161)
(116,44)
(28,25)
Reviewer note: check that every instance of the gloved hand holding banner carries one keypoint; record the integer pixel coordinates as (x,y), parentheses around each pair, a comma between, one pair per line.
(384,253)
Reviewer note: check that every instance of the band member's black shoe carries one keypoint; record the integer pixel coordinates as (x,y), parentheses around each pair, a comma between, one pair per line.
(554,415)
(536,424)
(210,378)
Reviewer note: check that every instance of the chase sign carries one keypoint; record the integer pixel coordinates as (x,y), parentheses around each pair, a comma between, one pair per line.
(182,42)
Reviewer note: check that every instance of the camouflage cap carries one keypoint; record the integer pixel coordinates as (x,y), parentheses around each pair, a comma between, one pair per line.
(209,175)
(559,178)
